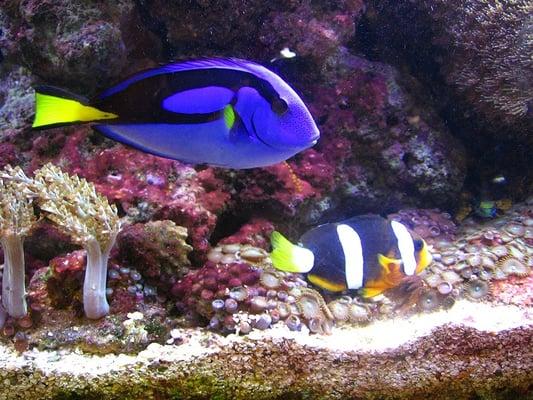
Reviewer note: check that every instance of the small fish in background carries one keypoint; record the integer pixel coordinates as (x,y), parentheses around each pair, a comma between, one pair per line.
(224,112)
(284,53)
(486,209)
(366,252)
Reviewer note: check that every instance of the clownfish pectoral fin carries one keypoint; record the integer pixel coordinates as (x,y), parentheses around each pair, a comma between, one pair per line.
(289,257)
(371,291)
(54,107)
(386,263)
(326,284)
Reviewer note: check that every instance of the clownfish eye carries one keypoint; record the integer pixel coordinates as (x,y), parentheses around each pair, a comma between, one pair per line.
(279,106)
(418,243)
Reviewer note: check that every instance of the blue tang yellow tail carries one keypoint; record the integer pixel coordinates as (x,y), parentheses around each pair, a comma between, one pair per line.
(224,112)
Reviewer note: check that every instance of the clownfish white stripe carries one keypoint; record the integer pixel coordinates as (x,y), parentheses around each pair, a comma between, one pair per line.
(406,247)
(353,256)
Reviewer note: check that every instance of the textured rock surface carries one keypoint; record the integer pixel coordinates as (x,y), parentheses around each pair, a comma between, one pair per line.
(482,47)
(472,351)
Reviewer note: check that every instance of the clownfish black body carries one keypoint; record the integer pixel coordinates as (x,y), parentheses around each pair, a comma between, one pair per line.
(368,252)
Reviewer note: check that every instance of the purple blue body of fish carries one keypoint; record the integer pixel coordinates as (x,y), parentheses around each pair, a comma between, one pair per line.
(223,112)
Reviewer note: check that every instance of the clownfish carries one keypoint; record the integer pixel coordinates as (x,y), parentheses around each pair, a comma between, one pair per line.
(367,252)
(224,112)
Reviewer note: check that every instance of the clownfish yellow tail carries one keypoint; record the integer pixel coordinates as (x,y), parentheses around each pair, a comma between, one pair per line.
(55,107)
(289,257)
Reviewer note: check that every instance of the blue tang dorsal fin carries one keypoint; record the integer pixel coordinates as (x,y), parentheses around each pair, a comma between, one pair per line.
(197,64)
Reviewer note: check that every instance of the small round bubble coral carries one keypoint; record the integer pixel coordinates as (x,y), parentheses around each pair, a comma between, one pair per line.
(16,220)
(87,217)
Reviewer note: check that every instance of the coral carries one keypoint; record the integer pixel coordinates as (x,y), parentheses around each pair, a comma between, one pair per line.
(16,220)
(431,224)
(471,260)
(239,297)
(234,252)
(144,186)
(157,249)
(255,233)
(86,216)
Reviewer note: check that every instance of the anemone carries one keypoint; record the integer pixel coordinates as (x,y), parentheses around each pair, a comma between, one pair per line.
(311,304)
(358,313)
(499,274)
(340,310)
(429,301)
(513,266)
(515,229)
(500,251)
(258,304)
(270,280)
(477,289)
(445,288)
(308,306)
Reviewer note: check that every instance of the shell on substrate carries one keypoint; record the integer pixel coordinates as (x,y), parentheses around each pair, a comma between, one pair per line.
(513,266)
(429,300)
(477,289)
(270,279)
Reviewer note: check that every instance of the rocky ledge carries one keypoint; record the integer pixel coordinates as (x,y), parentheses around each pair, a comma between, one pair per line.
(472,351)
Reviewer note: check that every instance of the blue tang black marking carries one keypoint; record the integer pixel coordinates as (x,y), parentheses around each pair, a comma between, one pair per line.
(224,112)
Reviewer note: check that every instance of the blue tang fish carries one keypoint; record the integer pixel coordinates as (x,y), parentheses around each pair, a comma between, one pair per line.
(367,252)
(223,112)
